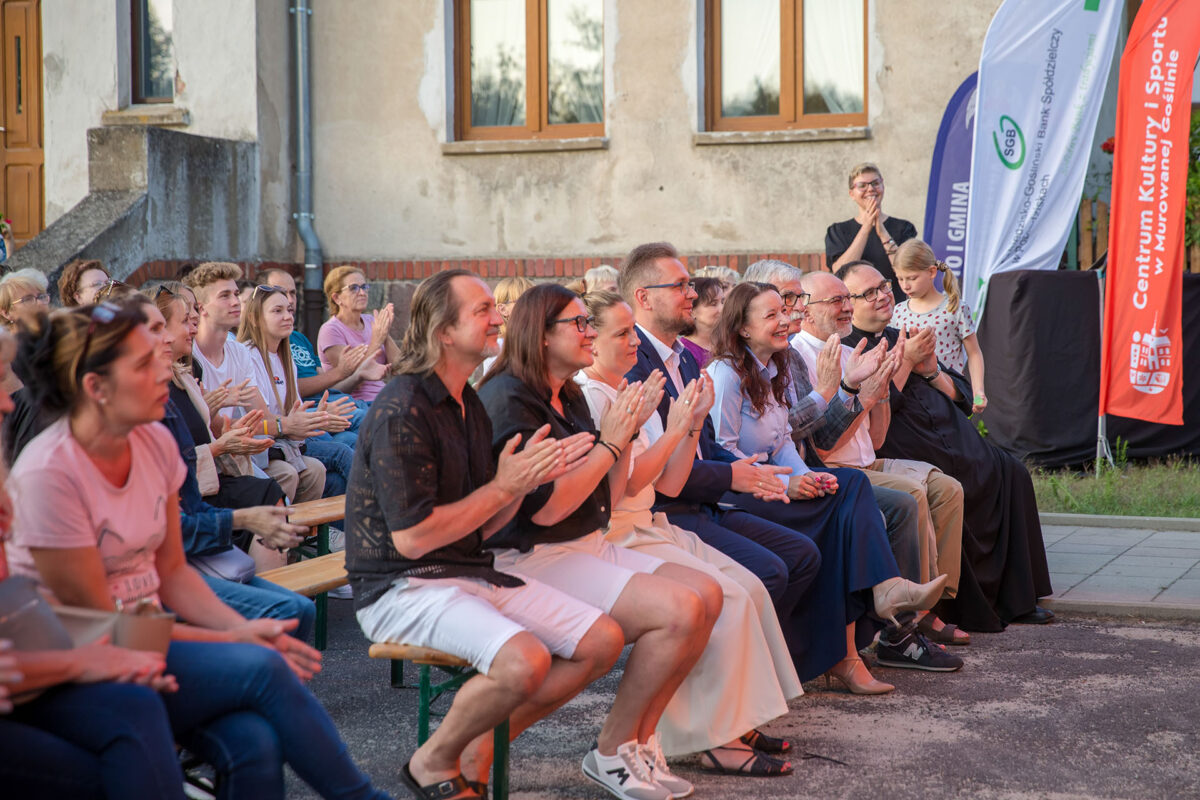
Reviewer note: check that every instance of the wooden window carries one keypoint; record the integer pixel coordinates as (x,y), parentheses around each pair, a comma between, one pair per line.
(775,64)
(153,53)
(529,69)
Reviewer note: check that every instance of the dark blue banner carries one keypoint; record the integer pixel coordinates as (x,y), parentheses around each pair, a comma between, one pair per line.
(950,178)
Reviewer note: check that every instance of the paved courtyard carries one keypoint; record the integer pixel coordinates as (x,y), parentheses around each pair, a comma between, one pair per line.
(1089,707)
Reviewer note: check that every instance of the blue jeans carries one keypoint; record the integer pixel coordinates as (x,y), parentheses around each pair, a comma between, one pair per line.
(90,740)
(338,458)
(258,599)
(240,707)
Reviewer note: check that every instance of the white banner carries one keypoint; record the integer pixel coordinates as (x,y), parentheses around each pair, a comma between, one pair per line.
(1042,74)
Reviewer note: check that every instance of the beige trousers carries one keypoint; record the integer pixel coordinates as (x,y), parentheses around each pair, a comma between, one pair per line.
(939,513)
(299,487)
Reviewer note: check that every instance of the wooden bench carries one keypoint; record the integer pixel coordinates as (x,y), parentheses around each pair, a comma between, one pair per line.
(458,672)
(314,577)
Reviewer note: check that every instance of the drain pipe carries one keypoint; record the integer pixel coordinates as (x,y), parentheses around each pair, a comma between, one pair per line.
(302,131)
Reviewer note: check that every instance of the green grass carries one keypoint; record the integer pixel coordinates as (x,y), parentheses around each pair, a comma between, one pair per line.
(1168,488)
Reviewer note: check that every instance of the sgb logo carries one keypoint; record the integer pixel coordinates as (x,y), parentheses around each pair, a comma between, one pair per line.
(1009,142)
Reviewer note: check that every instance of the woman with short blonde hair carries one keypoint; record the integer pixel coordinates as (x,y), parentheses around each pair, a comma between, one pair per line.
(347,292)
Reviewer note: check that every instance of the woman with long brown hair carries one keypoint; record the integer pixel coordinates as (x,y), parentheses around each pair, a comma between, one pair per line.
(835,508)
(267,321)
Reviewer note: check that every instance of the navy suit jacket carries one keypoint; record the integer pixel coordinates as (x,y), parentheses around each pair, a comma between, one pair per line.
(711,475)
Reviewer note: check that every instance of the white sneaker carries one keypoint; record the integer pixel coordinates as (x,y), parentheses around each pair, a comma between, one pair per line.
(651,752)
(624,775)
(341,593)
(337,540)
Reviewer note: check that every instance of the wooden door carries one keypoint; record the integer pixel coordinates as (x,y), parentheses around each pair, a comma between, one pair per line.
(21,156)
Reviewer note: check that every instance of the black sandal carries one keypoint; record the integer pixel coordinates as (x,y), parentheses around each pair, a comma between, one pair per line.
(766,744)
(756,765)
(455,788)
(945,635)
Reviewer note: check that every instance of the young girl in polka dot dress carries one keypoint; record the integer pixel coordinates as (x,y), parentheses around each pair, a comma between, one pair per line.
(957,346)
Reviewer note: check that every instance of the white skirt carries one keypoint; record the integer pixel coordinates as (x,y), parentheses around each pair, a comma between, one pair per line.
(745,675)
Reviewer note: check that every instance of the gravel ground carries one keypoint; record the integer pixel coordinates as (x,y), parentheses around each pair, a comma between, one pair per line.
(1082,708)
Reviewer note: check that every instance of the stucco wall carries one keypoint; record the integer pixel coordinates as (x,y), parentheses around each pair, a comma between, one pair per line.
(79,83)
(86,71)
(384,188)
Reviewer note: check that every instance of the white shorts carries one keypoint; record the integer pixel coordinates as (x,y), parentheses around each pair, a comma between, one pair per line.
(473,619)
(588,568)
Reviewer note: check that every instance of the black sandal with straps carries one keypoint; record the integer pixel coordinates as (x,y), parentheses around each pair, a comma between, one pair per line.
(456,788)
(766,744)
(756,765)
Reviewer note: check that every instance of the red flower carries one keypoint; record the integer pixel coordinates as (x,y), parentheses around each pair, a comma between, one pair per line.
(1109,145)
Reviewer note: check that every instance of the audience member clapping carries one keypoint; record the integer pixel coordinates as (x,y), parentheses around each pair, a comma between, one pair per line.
(97,523)
(348,326)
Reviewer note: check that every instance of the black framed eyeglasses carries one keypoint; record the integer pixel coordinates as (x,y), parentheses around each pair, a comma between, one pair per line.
(581,322)
(683,287)
(790,298)
(161,290)
(873,292)
(837,300)
(102,314)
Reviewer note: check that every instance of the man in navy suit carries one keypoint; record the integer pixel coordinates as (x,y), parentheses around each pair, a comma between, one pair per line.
(657,285)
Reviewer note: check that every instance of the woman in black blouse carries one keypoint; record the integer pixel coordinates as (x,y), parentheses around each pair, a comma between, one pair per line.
(556,537)
(871,235)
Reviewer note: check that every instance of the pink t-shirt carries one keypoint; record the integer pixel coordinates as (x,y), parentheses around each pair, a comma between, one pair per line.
(62,501)
(334,333)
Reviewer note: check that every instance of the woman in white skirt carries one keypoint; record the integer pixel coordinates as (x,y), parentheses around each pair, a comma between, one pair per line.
(745,676)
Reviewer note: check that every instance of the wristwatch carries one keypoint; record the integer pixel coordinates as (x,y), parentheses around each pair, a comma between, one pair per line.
(931,378)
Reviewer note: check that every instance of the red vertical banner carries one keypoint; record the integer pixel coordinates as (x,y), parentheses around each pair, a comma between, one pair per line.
(1141,369)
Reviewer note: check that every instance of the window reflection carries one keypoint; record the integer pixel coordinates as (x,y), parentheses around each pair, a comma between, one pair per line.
(154,51)
(833,57)
(749,58)
(497,62)
(576,61)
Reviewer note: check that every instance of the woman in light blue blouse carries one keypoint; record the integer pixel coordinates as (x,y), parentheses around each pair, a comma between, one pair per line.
(858,572)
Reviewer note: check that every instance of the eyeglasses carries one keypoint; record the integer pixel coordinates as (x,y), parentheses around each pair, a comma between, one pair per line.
(102,314)
(94,284)
(42,298)
(837,300)
(109,287)
(876,184)
(873,292)
(683,287)
(582,322)
(161,290)
(790,298)
(355,288)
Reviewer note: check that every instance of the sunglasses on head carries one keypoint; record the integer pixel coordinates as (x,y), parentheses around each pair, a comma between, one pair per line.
(101,314)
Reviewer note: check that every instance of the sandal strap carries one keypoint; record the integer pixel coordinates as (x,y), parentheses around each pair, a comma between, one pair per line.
(456,787)
(757,764)
(764,743)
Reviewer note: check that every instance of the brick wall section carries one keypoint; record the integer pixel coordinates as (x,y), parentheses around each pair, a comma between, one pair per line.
(545,268)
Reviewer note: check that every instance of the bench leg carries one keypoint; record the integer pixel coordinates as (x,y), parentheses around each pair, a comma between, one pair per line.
(424,699)
(320,633)
(322,600)
(397,674)
(500,762)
